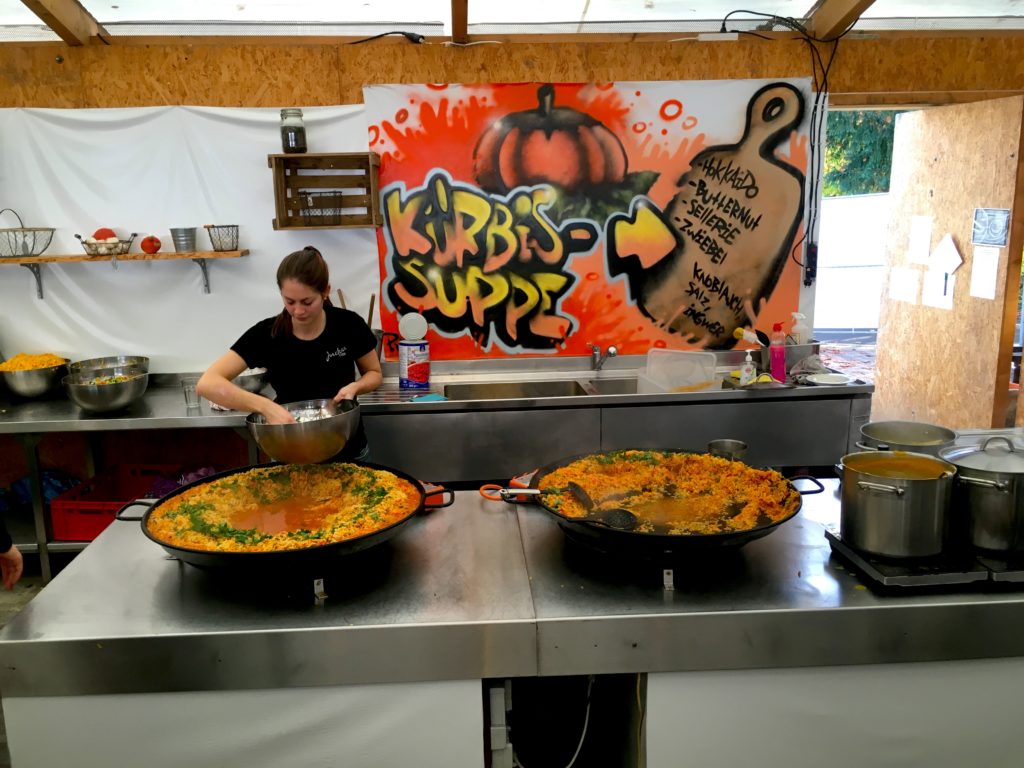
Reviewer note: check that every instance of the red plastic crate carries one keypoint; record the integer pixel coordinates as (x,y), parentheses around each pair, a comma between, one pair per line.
(82,513)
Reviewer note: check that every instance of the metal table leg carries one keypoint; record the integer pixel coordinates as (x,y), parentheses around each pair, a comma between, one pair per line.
(30,444)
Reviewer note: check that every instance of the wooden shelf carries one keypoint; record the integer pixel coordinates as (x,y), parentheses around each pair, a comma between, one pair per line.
(34,263)
(325,190)
(125,257)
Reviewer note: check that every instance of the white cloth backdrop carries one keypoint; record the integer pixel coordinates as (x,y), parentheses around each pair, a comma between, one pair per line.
(147,170)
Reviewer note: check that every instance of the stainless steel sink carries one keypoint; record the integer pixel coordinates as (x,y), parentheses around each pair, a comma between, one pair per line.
(613,386)
(509,390)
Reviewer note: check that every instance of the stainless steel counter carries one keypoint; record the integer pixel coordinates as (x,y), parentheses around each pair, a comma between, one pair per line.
(447,599)
(163,407)
(483,590)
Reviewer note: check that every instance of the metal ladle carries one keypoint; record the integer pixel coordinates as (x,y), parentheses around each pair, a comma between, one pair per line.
(617,518)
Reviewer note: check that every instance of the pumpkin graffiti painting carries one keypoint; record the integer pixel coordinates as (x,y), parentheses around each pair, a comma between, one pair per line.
(549,144)
(541,218)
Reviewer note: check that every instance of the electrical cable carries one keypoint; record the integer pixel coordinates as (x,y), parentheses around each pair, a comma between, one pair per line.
(640,761)
(820,71)
(412,37)
(583,734)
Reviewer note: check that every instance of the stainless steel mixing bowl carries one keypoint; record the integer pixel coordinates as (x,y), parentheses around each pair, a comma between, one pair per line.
(35,382)
(322,429)
(251,379)
(117,361)
(85,390)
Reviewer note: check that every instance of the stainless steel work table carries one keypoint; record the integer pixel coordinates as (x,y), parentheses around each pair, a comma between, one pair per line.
(446,599)
(483,589)
(779,601)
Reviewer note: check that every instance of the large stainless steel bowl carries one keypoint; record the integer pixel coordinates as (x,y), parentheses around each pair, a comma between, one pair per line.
(117,361)
(86,388)
(322,429)
(35,382)
(251,379)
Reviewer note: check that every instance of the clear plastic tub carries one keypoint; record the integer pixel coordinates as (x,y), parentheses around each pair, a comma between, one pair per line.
(672,370)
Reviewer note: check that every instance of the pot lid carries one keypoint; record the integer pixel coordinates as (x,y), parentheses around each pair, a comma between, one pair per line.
(412,326)
(998,454)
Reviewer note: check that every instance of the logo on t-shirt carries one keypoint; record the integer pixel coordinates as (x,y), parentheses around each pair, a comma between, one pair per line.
(339,352)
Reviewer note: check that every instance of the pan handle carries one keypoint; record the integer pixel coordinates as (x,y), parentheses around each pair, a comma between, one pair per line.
(879,488)
(999,485)
(879,447)
(119,516)
(523,480)
(494,492)
(430,489)
(813,479)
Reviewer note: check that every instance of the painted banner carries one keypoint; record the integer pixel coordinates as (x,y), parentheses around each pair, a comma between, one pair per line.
(541,218)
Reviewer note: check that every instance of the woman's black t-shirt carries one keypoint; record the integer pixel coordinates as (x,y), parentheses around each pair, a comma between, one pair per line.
(311,370)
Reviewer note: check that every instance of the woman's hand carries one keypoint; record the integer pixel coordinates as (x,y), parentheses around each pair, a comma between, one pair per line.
(348,392)
(276,414)
(11,565)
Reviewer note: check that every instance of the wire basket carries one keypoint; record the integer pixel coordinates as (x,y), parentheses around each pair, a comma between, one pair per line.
(103,248)
(321,209)
(24,241)
(223,237)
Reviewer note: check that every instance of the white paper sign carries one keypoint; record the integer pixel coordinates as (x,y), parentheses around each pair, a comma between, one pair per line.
(904,284)
(946,257)
(920,246)
(984,271)
(937,289)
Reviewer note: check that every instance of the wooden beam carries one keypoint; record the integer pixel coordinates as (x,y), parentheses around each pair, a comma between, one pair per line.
(830,18)
(460,21)
(74,24)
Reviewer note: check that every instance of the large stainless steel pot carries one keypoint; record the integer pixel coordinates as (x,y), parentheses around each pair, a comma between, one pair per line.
(990,487)
(912,436)
(895,503)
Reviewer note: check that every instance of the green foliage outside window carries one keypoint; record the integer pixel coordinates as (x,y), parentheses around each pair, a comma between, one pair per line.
(858,152)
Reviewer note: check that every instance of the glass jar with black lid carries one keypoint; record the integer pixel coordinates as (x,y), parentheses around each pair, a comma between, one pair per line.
(293,132)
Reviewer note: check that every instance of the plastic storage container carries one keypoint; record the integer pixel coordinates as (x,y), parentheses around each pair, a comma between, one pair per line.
(82,513)
(672,370)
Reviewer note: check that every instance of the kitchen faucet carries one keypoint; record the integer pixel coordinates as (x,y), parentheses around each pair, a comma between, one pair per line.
(597,358)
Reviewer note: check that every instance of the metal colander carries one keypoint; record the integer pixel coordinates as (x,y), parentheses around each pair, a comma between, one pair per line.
(24,241)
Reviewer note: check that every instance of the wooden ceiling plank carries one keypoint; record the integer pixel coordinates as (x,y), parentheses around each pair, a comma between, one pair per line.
(830,18)
(72,23)
(460,21)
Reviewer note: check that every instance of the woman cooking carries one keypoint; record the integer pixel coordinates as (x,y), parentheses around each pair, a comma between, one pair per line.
(311,351)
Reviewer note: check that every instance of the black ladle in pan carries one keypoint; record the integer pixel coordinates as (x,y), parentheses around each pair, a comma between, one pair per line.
(617,518)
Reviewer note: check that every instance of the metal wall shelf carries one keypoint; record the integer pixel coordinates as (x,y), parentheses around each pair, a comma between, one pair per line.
(34,263)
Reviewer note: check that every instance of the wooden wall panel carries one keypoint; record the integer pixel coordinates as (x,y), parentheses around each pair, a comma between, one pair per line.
(917,68)
(32,76)
(951,367)
(227,76)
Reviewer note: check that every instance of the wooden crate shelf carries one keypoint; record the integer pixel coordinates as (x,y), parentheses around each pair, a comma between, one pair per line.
(325,190)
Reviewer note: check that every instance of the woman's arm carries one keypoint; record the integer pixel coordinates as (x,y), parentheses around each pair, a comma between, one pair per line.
(370,377)
(215,385)
(11,566)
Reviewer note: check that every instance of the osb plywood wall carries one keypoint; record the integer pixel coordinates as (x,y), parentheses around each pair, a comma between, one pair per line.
(903,69)
(951,367)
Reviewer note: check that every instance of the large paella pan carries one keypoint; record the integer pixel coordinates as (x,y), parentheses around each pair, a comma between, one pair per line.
(283,515)
(660,500)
